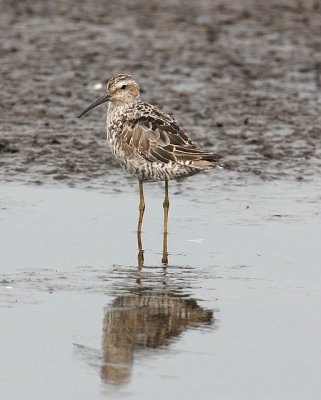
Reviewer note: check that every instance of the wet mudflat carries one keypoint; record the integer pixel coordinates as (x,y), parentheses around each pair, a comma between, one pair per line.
(243,77)
(235,312)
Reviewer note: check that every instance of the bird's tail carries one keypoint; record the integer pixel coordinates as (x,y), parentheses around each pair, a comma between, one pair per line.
(208,161)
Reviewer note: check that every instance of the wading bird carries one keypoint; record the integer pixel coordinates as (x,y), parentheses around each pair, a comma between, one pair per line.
(147,142)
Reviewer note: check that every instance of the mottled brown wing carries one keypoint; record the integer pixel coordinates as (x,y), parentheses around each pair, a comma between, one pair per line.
(163,140)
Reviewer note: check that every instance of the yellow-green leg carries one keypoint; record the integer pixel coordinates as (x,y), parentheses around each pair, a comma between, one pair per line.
(140,256)
(165,253)
(141,206)
(166,209)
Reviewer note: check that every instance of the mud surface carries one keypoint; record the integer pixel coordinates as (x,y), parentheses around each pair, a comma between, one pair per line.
(243,77)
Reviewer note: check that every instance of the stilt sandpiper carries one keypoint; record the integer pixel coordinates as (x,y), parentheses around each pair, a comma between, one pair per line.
(147,142)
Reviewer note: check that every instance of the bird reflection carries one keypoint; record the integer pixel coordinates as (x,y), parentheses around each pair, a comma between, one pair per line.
(146,317)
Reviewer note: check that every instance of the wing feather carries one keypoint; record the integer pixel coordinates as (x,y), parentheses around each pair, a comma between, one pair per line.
(158,138)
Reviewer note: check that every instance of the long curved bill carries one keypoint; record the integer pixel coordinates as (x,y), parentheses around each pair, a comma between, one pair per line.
(96,103)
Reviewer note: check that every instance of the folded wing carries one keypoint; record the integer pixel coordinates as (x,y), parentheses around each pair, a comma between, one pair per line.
(160,139)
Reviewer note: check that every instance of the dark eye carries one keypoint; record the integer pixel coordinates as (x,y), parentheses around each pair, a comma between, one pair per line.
(124,87)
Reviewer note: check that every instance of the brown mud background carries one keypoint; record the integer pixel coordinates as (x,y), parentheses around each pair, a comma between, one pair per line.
(243,77)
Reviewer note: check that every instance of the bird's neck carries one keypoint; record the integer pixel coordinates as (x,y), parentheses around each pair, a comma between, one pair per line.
(124,103)
(116,108)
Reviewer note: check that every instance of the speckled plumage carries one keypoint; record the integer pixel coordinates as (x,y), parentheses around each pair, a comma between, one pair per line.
(149,143)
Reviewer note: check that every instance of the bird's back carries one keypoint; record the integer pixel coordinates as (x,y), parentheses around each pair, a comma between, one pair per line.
(151,145)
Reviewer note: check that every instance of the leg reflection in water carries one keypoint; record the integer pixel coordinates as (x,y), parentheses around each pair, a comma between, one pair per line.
(148,312)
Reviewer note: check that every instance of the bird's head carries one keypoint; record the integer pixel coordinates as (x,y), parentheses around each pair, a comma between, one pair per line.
(121,89)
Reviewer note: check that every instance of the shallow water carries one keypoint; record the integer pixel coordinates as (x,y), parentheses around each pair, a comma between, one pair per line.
(235,312)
